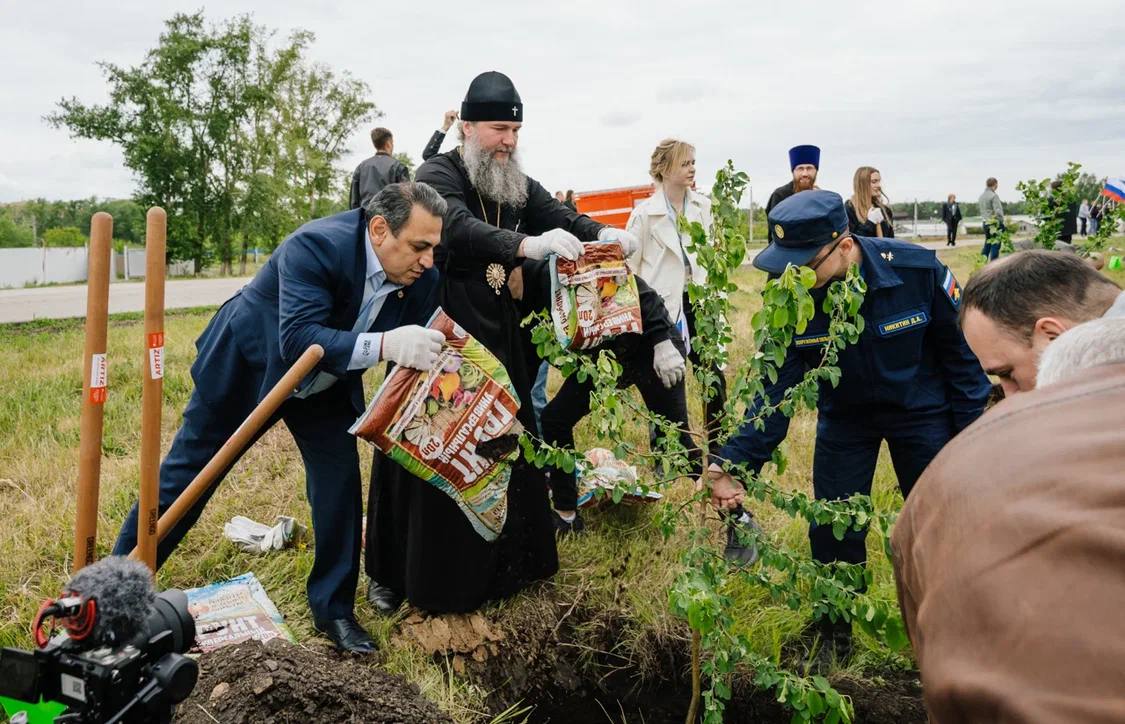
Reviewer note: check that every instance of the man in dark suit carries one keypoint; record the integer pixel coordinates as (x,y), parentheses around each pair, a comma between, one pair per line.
(358,283)
(380,170)
(951,215)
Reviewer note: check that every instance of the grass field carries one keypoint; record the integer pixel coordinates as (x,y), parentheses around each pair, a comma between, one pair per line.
(619,565)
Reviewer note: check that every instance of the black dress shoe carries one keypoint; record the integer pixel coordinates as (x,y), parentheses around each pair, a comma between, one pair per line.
(386,600)
(347,634)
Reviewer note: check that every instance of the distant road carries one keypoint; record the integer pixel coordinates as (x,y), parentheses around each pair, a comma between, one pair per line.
(25,305)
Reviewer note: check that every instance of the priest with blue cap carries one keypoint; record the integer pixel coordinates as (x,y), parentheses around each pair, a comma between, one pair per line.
(911,380)
(804,162)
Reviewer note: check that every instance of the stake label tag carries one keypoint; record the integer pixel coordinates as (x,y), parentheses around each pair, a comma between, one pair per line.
(156,363)
(98,378)
(156,355)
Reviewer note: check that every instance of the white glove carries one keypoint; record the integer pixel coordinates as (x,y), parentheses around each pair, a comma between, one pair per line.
(412,346)
(668,363)
(254,537)
(629,242)
(875,215)
(555,241)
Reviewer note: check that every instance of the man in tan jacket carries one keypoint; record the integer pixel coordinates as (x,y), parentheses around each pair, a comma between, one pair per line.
(1011,570)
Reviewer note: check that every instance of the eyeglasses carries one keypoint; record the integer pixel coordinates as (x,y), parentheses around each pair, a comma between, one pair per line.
(822,259)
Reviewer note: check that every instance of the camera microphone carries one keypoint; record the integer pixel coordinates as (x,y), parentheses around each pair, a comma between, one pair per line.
(106,603)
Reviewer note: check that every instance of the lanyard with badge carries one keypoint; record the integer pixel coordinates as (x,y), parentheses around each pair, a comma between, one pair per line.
(679,235)
(681,323)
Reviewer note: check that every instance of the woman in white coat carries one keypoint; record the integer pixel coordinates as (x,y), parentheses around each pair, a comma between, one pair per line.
(662,258)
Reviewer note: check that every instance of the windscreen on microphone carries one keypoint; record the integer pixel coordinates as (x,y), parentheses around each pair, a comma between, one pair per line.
(124,594)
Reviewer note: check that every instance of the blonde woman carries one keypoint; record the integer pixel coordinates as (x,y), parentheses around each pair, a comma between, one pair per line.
(869,211)
(663,260)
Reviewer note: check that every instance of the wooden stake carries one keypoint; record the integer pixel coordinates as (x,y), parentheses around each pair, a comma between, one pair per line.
(94,389)
(233,448)
(152,385)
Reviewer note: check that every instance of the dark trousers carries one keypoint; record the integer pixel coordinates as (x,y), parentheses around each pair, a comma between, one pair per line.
(319,426)
(713,407)
(844,465)
(1082,226)
(951,233)
(572,403)
(991,250)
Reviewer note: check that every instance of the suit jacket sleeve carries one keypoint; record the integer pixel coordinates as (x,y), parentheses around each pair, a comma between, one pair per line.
(544,212)
(656,326)
(401,173)
(965,381)
(353,196)
(433,148)
(638,228)
(309,274)
(755,447)
(462,232)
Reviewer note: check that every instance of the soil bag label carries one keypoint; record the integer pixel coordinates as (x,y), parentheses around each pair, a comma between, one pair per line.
(594,298)
(431,423)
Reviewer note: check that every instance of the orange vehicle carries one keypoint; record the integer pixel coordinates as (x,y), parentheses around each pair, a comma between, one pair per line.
(612,206)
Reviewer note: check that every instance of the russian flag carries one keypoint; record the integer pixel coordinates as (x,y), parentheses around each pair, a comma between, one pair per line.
(1115,189)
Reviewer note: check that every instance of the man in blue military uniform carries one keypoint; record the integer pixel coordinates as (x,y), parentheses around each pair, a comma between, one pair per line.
(910,380)
(359,284)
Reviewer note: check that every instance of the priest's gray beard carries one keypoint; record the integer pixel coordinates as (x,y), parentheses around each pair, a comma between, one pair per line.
(503,182)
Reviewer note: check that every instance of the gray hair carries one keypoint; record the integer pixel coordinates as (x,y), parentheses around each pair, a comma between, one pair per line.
(1097,342)
(395,202)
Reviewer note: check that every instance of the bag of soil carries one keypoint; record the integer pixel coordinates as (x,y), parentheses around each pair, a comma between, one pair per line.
(594,298)
(432,423)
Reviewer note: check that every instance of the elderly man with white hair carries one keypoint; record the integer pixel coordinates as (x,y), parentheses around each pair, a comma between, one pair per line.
(1008,566)
(1082,348)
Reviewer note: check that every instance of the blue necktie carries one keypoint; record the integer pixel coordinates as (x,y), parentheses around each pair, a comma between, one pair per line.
(324,380)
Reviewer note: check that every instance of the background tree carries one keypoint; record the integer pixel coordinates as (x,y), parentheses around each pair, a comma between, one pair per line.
(64,236)
(237,141)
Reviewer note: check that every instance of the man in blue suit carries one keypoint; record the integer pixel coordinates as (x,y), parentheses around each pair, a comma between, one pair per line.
(359,284)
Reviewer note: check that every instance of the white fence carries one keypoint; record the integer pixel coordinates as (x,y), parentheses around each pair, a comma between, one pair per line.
(27,266)
(131,262)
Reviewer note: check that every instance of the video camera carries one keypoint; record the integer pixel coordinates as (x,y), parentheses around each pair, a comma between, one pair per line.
(120,658)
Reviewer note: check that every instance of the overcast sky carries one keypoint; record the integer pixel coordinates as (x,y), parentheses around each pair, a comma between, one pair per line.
(937,95)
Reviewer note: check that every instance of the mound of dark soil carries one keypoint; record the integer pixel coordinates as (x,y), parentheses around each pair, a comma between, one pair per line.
(567,662)
(283,682)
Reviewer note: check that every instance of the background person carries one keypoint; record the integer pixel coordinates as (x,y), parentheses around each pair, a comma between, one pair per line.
(804,162)
(378,171)
(1083,216)
(569,201)
(433,147)
(992,219)
(662,258)
(951,215)
(869,212)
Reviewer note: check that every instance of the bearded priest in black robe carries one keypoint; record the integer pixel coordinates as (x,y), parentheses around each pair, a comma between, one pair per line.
(419,544)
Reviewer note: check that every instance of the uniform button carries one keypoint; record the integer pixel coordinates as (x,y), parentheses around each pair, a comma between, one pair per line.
(401,294)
